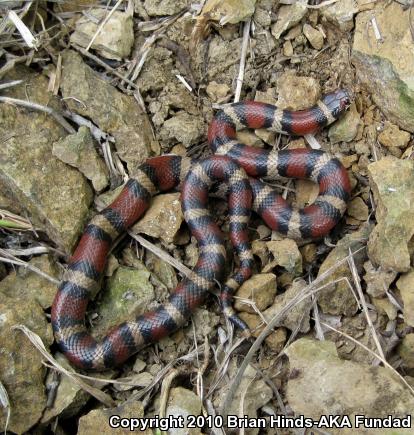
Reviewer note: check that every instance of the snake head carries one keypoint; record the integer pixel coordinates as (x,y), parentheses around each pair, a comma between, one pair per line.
(337,102)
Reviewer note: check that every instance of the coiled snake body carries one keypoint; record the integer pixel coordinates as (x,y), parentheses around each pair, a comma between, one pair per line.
(231,162)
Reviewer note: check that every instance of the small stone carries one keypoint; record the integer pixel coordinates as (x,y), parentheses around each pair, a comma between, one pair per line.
(217,91)
(293,33)
(91,423)
(296,92)
(315,37)
(406,286)
(358,209)
(378,281)
(187,129)
(139,365)
(268,97)
(346,128)
(362,147)
(159,8)
(275,340)
(392,136)
(259,289)
(309,253)
(286,254)
(288,16)
(266,135)
(116,39)
(348,161)
(384,306)
(341,14)
(287,48)
(163,219)
(306,192)
(297,143)
(78,151)
(392,182)
(182,403)
(406,350)
(298,316)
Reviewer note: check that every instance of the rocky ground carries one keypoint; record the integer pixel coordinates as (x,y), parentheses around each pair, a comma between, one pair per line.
(87,92)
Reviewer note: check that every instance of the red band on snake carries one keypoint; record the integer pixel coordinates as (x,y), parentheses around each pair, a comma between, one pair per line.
(167,172)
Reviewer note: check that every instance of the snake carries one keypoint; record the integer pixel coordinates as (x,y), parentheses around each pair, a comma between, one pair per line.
(240,172)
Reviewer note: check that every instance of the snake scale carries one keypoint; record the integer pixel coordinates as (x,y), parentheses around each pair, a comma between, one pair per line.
(237,167)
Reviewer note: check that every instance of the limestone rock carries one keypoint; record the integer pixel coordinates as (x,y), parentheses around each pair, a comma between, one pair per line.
(288,16)
(25,284)
(341,14)
(55,196)
(378,280)
(314,36)
(406,350)
(259,289)
(163,219)
(387,73)
(297,93)
(286,254)
(92,423)
(217,91)
(116,38)
(326,385)
(298,315)
(358,209)
(164,7)
(392,182)
(406,286)
(78,150)
(229,11)
(346,128)
(185,128)
(114,112)
(337,297)
(392,136)
(129,293)
(21,370)
(183,402)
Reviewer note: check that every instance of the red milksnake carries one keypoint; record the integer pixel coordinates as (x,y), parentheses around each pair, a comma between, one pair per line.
(167,172)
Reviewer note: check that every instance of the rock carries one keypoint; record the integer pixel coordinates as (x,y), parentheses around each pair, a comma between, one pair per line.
(185,128)
(114,112)
(296,93)
(56,197)
(358,209)
(346,128)
(129,293)
(286,254)
(249,138)
(288,16)
(324,384)
(392,136)
(392,182)
(70,397)
(78,151)
(306,192)
(385,307)
(287,49)
(378,280)
(140,380)
(406,351)
(252,390)
(164,7)
(275,340)
(163,271)
(25,284)
(91,423)
(348,161)
(21,370)
(315,37)
(309,252)
(384,71)
(183,402)
(341,14)
(259,289)
(205,322)
(337,298)
(406,286)
(163,219)
(217,91)
(116,38)
(298,315)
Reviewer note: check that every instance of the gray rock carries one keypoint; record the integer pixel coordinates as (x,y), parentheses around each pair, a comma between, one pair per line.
(406,286)
(341,14)
(116,38)
(337,298)
(326,385)
(392,182)
(183,402)
(78,151)
(288,16)
(406,351)
(55,196)
(378,280)
(346,128)
(314,36)
(387,73)
(114,112)
(183,127)
(21,370)
(164,7)
(259,289)
(297,92)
